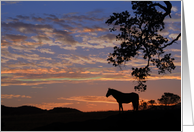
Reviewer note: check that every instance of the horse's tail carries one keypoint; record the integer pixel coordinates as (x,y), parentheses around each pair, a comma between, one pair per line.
(137,102)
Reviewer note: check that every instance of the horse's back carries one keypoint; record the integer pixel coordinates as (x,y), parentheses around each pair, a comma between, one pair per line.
(129,97)
(134,96)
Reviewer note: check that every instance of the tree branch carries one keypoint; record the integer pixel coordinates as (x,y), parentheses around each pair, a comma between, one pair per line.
(172,41)
(167,9)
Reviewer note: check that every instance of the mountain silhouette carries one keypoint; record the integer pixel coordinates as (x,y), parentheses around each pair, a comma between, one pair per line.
(61,109)
(22,110)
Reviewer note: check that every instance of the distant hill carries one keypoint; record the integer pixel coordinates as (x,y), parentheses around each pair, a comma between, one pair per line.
(61,109)
(32,110)
(20,110)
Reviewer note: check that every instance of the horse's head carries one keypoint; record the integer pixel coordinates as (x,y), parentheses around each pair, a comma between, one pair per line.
(108,92)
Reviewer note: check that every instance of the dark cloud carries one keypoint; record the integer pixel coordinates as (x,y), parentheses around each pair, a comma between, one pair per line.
(95,12)
(14,38)
(26,27)
(51,15)
(109,37)
(23,17)
(13,19)
(67,22)
(38,19)
(63,37)
(65,26)
(81,18)
(55,19)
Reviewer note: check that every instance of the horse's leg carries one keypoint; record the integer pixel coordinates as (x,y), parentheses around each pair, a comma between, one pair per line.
(120,106)
(137,105)
(134,105)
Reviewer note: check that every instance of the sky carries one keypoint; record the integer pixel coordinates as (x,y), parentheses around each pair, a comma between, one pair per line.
(54,54)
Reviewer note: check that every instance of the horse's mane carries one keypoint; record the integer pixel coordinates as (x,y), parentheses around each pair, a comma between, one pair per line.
(115,90)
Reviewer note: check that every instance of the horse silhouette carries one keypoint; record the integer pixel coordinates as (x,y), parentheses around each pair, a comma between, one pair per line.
(124,98)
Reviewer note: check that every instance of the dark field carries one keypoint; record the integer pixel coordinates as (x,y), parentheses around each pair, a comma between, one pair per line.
(61,119)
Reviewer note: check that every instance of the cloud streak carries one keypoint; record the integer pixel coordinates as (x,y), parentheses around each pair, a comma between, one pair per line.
(10,96)
(79,75)
(99,99)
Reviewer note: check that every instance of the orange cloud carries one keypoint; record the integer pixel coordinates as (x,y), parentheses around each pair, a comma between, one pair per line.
(164,77)
(10,96)
(36,87)
(20,83)
(100,99)
(34,71)
(4,43)
(45,50)
(173,50)
(79,75)
(94,29)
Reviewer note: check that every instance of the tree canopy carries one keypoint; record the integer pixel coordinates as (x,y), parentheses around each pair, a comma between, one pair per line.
(139,34)
(151,102)
(169,98)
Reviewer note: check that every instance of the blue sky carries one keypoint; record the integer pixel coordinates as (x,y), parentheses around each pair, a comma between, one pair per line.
(54,54)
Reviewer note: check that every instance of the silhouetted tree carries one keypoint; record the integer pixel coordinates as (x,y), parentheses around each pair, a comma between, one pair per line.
(151,102)
(139,34)
(169,98)
(143,105)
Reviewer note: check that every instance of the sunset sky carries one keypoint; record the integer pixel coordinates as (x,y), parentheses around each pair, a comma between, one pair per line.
(54,54)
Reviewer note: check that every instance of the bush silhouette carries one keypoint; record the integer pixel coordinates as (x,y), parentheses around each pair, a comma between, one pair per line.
(152,102)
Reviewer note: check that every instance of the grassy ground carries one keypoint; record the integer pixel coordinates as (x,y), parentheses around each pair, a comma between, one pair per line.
(144,120)
(28,122)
